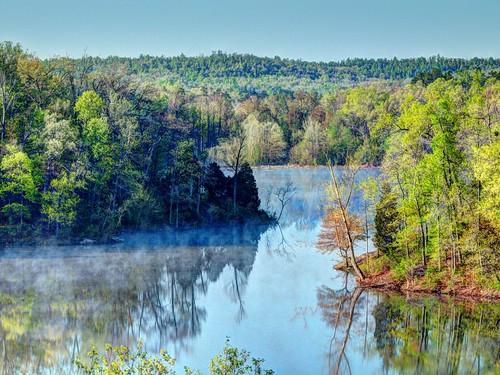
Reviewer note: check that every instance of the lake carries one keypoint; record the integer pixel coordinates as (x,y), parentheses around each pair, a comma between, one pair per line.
(269,290)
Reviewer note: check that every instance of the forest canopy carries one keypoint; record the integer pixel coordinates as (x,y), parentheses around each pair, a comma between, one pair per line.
(245,74)
(96,145)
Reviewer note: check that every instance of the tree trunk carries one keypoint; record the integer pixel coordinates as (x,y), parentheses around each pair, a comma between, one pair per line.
(4,126)
(235,188)
(422,230)
(439,242)
(367,237)
(354,263)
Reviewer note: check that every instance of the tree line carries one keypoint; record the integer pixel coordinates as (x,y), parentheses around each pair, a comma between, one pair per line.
(224,65)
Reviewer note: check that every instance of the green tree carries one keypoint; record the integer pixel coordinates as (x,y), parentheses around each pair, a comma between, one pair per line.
(486,169)
(387,223)
(312,148)
(18,190)
(186,182)
(89,106)
(235,361)
(59,203)
(120,360)
(265,144)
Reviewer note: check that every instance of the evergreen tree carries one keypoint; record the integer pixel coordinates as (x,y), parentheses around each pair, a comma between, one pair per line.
(248,195)
(387,223)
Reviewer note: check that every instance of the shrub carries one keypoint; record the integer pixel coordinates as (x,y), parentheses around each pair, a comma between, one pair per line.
(120,360)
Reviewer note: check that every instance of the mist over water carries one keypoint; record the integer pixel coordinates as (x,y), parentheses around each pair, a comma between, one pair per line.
(267,288)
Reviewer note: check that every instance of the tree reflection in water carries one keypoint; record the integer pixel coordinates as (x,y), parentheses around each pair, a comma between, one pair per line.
(421,335)
(55,303)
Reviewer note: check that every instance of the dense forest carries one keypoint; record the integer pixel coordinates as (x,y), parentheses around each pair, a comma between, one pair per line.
(244,74)
(103,144)
(438,212)
(436,205)
(90,153)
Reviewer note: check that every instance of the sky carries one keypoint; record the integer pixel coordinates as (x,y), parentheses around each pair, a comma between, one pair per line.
(313,30)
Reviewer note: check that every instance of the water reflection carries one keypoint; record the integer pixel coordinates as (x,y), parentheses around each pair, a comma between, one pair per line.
(57,301)
(269,289)
(418,335)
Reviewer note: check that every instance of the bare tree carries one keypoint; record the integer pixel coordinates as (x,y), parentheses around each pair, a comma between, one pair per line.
(333,235)
(7,98)
(340,190)
(230,152)
(284,194)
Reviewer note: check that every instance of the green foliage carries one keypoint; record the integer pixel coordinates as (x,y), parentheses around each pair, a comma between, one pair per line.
(17,178)
(376,264)
(312,148)
(234,361)
(18,192)
(410,334)
(248,197)
(430,76)
(341,143)
(248,74)
(120,360)
(402,269)
(387,223)
(134,150)
(15,212)
(265,143)
(59,138)
(441,209)
(59,203)
(89,106)
(141,210)
(486,169)
(96,136)
(92,162)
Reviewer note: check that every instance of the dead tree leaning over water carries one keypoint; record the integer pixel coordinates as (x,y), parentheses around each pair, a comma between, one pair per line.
(340,191)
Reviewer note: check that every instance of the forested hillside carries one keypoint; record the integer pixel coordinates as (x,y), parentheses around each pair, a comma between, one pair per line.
(100,145)
(245,74)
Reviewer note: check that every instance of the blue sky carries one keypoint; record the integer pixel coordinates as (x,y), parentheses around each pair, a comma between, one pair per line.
(311,30)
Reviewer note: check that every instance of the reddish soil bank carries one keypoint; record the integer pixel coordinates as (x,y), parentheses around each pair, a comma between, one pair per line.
(462,287)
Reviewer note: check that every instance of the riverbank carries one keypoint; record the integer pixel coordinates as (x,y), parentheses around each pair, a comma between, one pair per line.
(305,166)
(379,276)
(218,233)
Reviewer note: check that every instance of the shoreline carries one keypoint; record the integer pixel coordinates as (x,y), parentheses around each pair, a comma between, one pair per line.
(384,281)
(304,166)
(117,237)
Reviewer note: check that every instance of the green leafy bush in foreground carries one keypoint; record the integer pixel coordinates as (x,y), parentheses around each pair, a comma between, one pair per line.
(120,360)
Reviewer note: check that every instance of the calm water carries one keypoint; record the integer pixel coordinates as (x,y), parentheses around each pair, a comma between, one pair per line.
(268,289)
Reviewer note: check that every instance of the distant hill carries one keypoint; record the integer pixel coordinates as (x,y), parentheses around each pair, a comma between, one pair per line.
(249,73)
